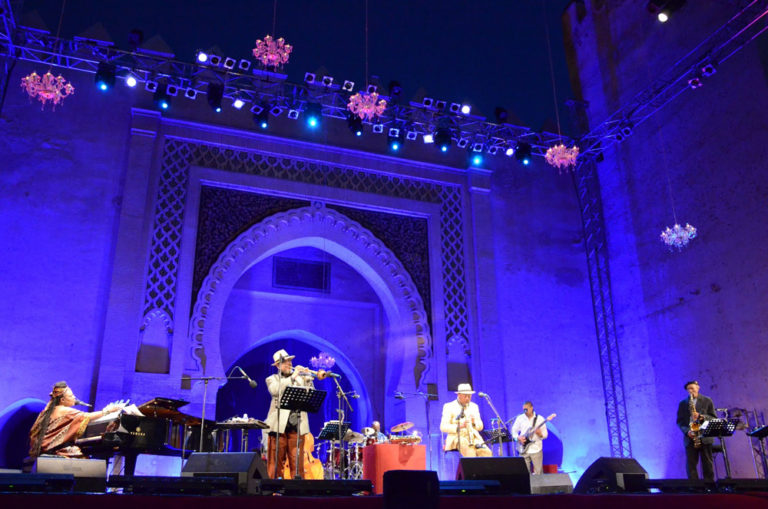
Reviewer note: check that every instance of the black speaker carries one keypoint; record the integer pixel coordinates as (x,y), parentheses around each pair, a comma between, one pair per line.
(312,487)
(411,488)
(611,475)
(29,483)
(512,473)
(247,466)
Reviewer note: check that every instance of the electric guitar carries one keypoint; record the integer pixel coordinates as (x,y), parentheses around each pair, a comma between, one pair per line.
(529,435)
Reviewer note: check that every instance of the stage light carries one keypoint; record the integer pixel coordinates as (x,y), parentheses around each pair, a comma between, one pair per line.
(500,114)
(261,117)
(161,99)
(466,109)
(429,138)
(229,63)
(443,138)
(355,124)
(244,65)
(214,59)
(171,90)
(663,9)
(463,142)
(131,81)
(523,153)
(105,76)
(395,139)
(695,83)
(293,113)
(276,110)
(309,78)
(510,151)
(238,103)
(411,135)
(440,105)
(454,107)
(348,86)
(371,89)
(378,128)
(202,57)
(150,85)
(477,147)
(708,70)
(190,93)
(215,93)
(476,160)
(313,112)
(493,150)
(327,81)
(427,102)
(663,17)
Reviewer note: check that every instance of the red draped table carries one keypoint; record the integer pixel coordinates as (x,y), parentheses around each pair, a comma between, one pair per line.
(379,458)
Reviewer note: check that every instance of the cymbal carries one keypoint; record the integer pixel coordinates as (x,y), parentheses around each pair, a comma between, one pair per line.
(354,437)
(368,431)
(402,427)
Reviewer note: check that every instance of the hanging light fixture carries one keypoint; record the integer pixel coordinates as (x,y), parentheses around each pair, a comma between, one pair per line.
(47,88)
(562,157)
(271,52)
(367,106)
(678,236)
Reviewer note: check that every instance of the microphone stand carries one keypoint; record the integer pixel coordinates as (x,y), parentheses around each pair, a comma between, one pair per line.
(502,423)
(341,395)
(426,396)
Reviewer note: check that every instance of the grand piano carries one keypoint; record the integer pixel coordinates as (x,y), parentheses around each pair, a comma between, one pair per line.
(162,430)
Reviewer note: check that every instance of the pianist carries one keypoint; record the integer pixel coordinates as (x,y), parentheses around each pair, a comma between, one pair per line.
(59,425)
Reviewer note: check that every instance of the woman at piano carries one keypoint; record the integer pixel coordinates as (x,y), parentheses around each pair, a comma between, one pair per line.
(59,425)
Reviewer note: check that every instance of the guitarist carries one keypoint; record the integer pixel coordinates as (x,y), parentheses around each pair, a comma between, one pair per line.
(691,412)
(529,429)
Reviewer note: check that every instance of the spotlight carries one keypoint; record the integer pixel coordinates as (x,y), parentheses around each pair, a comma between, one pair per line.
(378,128)
(477,147)
(466,109)
(244,65)
(493,150)
(238,103)
(454,107)
(663,17)
(395,139)
(105,76)
(708,70)
(293,113)
(150,85)
(309,78)
(190,93)
(202,57)
(440,105)
(510,151)
(172,90)
(276,110)
(411,135)
(462,143)
(429,138)
(663,9)
(215,93)
(443,138)
(327,81)
(257,108)
(348,86)
(131,81)
(260,116)
(500,114)
(695,83)
(523,153)
(214,59)
(427,102)
(313,112)
(229,63)
(161,99)
(371,89)
(476,159)
(355,124)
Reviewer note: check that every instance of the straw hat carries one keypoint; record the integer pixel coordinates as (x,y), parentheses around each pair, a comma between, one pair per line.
(464,389)
(280,356)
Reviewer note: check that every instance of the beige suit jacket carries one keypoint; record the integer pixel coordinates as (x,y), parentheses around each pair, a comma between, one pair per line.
(449,422)
(276,385)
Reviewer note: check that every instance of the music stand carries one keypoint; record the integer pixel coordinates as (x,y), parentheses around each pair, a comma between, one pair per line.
(301,399)
(720,428)
(496,436)
(333,431)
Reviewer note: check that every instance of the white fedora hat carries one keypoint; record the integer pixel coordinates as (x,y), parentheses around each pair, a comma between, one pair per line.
(464,389)
(280,356)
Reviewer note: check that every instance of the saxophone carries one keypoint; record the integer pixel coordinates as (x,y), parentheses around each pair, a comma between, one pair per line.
(695,424)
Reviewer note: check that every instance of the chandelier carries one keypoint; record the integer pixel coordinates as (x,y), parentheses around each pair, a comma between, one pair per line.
(678,236)
(272,53)
(48,88)
(322,361)
(367,106)
(562,157)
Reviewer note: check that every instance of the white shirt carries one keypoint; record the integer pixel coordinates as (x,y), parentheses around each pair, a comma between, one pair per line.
(522,425)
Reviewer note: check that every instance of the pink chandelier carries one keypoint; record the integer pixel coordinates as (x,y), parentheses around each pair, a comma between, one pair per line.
(367,106)
(678,236)
(48,88)
(271,52)
(323,360)
(562,157)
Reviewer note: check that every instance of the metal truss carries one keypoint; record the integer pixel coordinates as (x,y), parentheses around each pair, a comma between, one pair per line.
(689,72)
(260,88)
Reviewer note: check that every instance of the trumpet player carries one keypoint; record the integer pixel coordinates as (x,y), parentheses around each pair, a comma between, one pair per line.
(284,425)
(461,424)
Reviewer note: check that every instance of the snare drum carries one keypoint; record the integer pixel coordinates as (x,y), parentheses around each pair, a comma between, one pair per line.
(339,457)
(355,453)
(370,440)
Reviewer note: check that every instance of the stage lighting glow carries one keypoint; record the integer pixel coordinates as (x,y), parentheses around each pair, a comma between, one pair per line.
(215,94)
(130,81)
(509,152)
(523,153)
(313,113)
(355,124)
(105,76)
(161,98)
(238,103)
(663,17)
(477,160)
(429,138)
(261,117)
(202,57)
(465,109)
(443,138)
(395,138)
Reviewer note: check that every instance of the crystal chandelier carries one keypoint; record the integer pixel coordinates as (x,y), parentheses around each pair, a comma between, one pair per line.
(48,88)
(367,106)
(678,236)
(562,157)
(322,361)
(272,53)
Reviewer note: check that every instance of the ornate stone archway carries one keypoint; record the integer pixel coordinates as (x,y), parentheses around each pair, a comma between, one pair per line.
(409,341)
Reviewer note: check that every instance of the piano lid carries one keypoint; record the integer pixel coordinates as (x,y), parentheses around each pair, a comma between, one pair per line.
(167,408)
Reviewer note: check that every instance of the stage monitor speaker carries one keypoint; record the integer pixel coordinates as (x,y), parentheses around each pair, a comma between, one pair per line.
(742,485)
(512,473)
(482,487)
(248,466)
(411,488)
(311,487)
(160,485)
(550,484)
(612,475)
(36,483)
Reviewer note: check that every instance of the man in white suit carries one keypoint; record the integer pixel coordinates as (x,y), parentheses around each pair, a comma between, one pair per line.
(284,425)
(461,424)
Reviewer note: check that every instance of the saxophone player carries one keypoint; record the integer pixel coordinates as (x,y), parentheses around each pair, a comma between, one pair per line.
(691,412)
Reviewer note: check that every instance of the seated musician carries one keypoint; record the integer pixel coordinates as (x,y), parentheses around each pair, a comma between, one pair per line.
(59,425)
(283,433)
(380,437)
(462,424)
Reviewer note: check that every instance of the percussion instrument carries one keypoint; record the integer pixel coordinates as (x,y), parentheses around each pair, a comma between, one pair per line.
(403,426)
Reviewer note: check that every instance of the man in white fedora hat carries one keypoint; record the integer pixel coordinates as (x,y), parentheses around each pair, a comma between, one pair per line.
(462,424)
(284,425)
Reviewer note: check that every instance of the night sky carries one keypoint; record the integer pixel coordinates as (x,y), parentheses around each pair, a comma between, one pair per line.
(487,53)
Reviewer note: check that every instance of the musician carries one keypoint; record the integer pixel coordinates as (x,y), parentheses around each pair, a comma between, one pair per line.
(696,408)
(461,424)
(380,437)
(59,425)
(283,434)
(522,432)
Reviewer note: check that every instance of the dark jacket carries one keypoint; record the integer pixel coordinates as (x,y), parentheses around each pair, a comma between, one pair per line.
(705,407)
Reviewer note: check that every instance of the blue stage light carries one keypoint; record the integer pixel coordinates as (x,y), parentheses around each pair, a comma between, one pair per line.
(105,76)
(130,81)
(477,160)
(443,138)
(214,94)
(523,153)
(202,57)
(355,124)
(313,113)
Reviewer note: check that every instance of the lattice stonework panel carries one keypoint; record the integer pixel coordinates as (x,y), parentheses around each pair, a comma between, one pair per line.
(180,155)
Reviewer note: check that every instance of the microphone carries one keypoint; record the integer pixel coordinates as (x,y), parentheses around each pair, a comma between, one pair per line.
(83,403)
(483,395)
(399,395)
(251,381)
(355,396)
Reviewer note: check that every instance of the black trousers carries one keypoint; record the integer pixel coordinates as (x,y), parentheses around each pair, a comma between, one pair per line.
(692,456)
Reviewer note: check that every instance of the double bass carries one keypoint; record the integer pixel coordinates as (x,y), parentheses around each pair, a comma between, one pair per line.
(313,467)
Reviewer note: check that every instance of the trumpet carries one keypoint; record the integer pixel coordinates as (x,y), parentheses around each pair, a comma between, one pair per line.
(320,374)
